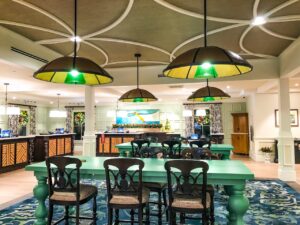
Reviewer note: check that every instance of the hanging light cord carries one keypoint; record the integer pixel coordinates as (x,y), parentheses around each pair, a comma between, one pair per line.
(75,34)
(137,55)
(58,101)
(6,84)
(208,88)
(205,27)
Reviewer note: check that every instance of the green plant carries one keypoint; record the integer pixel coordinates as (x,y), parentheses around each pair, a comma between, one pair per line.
(23,118)
(266,149)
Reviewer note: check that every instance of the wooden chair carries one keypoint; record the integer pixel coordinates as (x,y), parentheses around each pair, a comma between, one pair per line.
(186,196)
(199,143)
(159,188)
(122,192)
(136,146)
(65,188)
(172,148)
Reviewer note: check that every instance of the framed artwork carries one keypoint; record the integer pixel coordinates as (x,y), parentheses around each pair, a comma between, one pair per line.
(293,118)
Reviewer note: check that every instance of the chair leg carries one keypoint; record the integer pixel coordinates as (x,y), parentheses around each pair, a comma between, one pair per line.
(132,216)
(95,210)
(140,215)
(147,214)
(212,211)
(77,214)
(182,218)
(117,216)
(50,214)
(165,203)
(110,216)
(67,214)
(172,217)
(159,208)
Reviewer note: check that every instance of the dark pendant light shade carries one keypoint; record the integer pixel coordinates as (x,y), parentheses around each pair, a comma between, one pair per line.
(137,94)
(207,62)
(60,70)
(73,70)
(208,94)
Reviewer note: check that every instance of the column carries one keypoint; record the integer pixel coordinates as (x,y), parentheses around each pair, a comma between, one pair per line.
(89,138)
(286,154)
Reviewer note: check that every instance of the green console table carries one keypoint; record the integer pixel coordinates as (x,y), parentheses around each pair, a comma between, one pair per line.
(225,149)
(230,173)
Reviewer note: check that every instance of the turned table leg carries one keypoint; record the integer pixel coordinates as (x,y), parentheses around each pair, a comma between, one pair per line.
(41,192)
(237,204)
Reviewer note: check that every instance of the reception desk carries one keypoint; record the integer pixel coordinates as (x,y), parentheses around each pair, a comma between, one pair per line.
(106,142)
(16,152)
(53,145)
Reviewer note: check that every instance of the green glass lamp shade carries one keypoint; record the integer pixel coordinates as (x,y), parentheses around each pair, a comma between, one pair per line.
(208,94)
(207,62)
(137,95)
(61,70)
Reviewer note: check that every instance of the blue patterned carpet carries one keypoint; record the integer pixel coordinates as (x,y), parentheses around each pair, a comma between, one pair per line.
(271,203)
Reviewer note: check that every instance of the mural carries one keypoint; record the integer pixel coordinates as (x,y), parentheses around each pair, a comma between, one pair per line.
(140,116)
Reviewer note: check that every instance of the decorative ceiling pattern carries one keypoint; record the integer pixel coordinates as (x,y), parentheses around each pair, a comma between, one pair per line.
(112,31)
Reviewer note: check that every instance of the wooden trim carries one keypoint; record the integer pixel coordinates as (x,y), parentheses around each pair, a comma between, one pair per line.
(18,104)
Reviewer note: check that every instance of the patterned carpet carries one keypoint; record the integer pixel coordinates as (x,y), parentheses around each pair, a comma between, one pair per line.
(272,202)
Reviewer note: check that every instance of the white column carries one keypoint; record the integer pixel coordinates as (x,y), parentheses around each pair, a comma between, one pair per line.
(89,138)
(286,154)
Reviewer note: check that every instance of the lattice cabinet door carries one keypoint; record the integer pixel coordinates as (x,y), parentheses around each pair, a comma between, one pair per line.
(8,155)
(68,145)
(52,147)
(22,152)
(60,146)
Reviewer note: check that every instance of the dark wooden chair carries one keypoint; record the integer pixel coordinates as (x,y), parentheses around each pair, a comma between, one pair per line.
(136,146)
(123,192)
(159,188)
(186,196)
(199,143)
(65,188)
(172,148)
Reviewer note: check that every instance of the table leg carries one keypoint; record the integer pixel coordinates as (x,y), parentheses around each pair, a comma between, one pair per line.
(41,192)
(237,204)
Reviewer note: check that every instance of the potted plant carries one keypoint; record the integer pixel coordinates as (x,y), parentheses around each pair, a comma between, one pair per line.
(267,153)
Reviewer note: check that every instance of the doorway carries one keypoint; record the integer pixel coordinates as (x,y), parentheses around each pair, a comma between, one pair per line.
(79,124)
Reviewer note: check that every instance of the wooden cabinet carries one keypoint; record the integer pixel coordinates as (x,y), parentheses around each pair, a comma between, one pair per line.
(240,135)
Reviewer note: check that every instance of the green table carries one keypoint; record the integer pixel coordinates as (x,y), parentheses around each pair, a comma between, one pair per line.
(126,150)
(230,173)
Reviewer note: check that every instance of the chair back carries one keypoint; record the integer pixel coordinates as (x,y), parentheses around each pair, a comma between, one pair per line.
(152,152)
(198,143)
(183,182)
(152,139)
(136,146)
(62,179)
(171,147)
(187,153)
(120,180)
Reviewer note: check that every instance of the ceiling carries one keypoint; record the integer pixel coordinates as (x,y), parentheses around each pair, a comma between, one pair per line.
(112,31)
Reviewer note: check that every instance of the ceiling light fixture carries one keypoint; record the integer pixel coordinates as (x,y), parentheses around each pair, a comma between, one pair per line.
(57,112)
(207,62)
(208,94)
(259,20)
(137,94)
(8,110)
(73,70)
(75,38)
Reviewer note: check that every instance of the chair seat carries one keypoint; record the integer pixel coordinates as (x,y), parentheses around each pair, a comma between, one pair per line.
(130,199)
(191,203)
(86,191)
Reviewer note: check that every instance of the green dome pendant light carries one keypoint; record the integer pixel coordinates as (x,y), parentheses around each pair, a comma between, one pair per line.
(137,94)
(208,94)
(207,62)
(73,70)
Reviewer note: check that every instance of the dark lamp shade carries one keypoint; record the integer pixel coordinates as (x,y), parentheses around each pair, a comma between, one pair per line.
(137,95)
(207,62)
(207,94)
(59,71)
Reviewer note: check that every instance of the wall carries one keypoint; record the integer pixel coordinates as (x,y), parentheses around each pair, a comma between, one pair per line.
(227,109)
(262,118)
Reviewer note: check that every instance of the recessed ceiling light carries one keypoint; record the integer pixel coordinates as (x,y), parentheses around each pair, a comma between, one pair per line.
(14,97)
(259,20)
(228,87)
(96,101)
(296,84)
(51,102)
(76,38)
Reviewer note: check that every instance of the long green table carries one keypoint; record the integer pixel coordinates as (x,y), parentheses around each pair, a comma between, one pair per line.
(225,149)
(230,173)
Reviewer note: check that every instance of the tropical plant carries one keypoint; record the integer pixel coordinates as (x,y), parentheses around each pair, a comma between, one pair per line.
(23,118)
(79,118)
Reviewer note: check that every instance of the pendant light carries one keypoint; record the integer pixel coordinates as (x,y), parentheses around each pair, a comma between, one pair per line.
(73,70)
(207,62)
(137,95)
(8,110)
(208,94)
(57,112)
